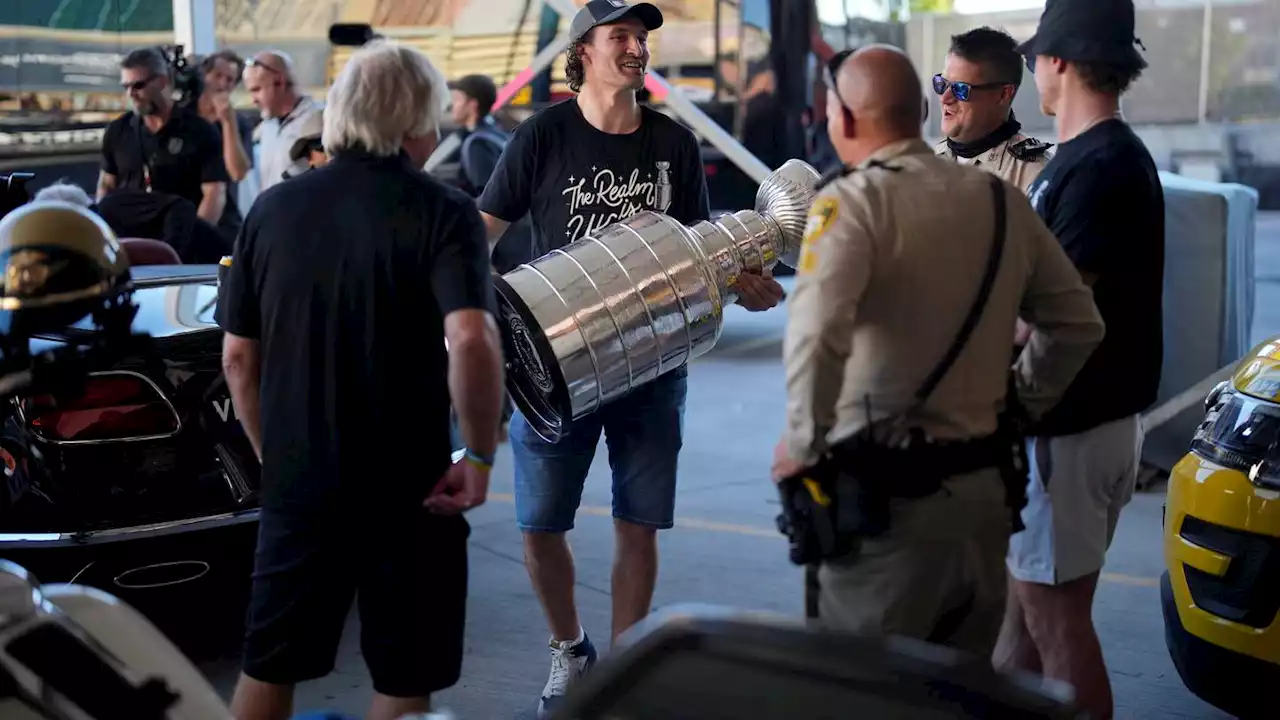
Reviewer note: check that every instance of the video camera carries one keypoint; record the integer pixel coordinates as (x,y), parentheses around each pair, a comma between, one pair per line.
(13,191)
(351,34)
(188,83)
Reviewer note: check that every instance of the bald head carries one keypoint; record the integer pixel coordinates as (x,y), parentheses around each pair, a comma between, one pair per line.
(881,86)
(270,79)
(275,61)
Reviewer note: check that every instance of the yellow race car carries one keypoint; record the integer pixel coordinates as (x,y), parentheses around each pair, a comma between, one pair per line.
(1220,592)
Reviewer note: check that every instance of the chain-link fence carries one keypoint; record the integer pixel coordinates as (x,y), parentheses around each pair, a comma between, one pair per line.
(1209,60)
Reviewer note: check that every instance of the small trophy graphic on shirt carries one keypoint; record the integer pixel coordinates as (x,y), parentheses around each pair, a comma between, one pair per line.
(664,187)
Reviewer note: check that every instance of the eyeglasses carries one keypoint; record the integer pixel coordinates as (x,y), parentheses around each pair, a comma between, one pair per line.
(833,71)
(253,62)
(962,90)
(137,85)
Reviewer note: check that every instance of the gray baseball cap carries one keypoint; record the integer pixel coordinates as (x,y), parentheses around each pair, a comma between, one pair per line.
(607,12)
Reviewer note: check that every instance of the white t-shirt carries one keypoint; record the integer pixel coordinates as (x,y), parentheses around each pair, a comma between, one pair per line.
(276,137)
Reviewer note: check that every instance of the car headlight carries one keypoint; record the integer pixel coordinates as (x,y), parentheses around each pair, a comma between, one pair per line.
(1242,433)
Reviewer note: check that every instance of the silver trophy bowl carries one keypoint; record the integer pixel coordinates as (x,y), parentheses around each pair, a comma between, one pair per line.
(588,323)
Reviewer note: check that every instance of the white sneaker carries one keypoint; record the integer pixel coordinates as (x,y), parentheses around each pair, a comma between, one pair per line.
(569,661)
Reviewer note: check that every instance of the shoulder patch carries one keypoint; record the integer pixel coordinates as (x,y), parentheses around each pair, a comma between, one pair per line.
(1029,150)
(821,217)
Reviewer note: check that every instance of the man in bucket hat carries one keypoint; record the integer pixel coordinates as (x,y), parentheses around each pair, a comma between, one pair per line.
(1102,198)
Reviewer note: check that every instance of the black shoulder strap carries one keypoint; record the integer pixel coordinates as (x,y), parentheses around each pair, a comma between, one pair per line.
(979,302)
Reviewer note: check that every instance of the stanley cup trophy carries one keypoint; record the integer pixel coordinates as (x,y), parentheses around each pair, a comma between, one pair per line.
(584,325)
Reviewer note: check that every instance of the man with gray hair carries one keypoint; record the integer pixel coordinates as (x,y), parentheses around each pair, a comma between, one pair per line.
(272,82)
(345,286)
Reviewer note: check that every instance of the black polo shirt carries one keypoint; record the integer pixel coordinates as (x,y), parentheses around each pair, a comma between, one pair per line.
(185,153)
(345,275)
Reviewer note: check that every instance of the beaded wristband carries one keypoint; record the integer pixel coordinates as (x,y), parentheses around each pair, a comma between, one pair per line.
(478,460)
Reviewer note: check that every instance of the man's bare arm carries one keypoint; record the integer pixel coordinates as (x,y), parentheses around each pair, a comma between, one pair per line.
(475,376)
(106,183)
(241,365)
(214,200)
(233,153)
(495,228)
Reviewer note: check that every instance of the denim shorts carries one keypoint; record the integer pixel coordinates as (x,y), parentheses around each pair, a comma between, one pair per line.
(643,432)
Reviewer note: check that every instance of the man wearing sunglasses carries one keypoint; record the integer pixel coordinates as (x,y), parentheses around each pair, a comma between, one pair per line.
(894,256)
(272,83)
(976,88)
(159,147)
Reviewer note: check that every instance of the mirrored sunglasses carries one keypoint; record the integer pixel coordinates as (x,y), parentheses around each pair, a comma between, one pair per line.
(962,90)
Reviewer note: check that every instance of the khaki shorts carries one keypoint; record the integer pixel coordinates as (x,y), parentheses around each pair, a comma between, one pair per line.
(937,575)
(1078,485)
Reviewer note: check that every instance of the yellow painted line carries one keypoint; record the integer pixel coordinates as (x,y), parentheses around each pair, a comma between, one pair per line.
(754,531)
(1130,580)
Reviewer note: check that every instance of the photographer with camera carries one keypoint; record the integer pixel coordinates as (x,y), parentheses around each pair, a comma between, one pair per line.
(161,146)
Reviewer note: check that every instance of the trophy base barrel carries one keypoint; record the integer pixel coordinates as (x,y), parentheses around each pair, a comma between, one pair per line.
(533,377)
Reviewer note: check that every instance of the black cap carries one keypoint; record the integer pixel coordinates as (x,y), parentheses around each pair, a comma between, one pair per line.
(607,12)
(1086,31)
(479,88)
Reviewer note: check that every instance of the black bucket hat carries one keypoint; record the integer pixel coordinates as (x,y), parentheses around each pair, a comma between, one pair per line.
(607,12)
(1086,31)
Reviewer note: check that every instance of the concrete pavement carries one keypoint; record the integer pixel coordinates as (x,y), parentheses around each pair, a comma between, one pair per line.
(724,548)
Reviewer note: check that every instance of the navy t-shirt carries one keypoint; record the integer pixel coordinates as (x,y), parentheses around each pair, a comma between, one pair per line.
(345,274)
(574,179)
(1101,196)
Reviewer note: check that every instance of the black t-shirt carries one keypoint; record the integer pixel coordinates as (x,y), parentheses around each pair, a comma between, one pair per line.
(575,180)
(1101,196)
(185,153)
(345,275)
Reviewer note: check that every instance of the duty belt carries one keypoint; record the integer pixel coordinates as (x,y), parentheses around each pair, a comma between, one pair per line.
(828,508)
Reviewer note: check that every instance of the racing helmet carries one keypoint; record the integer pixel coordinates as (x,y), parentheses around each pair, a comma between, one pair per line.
(61,263)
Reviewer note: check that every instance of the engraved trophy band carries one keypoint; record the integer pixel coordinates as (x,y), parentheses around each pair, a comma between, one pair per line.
(588,323)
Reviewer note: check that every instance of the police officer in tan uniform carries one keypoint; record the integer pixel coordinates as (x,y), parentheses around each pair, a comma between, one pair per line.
(976,88)
(896,250)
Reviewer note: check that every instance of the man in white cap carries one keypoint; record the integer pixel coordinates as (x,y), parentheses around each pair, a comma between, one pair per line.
(308,149)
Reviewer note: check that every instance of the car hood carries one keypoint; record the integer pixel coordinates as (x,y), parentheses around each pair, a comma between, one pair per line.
(172,302)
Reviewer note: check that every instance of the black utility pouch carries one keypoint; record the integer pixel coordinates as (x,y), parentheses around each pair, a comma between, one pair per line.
(811,516)
(1013,429)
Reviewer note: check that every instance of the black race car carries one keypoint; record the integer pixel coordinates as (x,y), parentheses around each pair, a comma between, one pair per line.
(141,482)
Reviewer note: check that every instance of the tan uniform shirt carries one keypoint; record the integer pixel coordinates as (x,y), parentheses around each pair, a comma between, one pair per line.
(1018,160)
(891,263)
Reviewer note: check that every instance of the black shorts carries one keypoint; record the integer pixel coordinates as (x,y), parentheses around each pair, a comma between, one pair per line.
(409,573)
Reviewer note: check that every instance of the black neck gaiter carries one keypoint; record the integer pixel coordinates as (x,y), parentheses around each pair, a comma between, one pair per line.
(973,149)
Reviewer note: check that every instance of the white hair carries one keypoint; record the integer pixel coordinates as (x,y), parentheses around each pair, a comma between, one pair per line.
(64,192)
(386,92)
